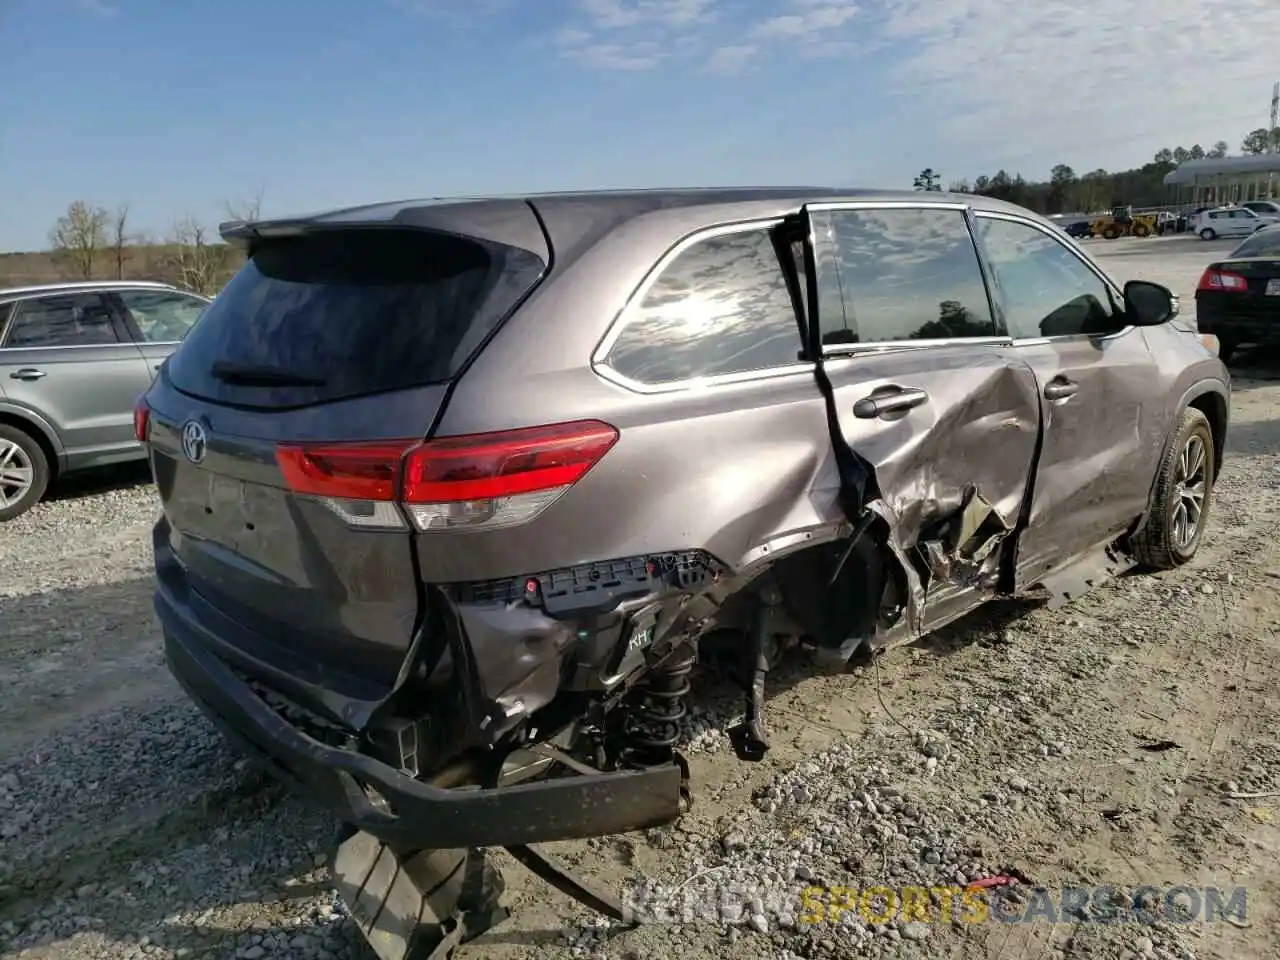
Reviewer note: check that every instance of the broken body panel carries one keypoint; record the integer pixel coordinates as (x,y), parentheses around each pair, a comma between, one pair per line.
(442,657)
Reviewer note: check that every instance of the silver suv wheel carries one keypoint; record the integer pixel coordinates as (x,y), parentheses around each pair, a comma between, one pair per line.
(17,473)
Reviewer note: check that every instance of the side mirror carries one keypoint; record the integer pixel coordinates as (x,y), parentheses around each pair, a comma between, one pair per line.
(1148,304)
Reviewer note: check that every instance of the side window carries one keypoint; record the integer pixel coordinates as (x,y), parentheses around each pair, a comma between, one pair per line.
(69,320)
(1047,290)
(160,316)
(894,275)
(722,306)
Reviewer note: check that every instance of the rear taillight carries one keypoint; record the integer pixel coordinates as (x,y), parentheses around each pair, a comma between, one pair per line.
(1222,280)
(480,481)
(141,420)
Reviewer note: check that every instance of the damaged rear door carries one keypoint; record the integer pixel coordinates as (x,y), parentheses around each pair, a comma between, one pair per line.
(927,391)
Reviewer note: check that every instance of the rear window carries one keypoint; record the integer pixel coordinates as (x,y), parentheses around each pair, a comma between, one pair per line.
(1263,244)
(349,313)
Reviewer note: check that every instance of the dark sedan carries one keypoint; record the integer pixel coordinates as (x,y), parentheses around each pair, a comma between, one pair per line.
(1238,299)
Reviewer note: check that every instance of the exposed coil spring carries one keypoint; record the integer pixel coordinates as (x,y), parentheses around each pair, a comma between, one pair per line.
(654,711)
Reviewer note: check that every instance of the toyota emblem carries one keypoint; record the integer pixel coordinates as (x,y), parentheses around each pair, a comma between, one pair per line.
(193,441)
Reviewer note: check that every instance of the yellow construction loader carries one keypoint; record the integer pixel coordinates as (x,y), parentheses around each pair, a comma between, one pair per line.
(1122,222)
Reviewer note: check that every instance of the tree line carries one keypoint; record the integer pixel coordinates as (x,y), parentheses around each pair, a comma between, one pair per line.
(1066,191)
(89,240)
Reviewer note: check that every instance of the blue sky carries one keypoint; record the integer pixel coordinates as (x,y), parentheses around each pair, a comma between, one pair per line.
(173,107)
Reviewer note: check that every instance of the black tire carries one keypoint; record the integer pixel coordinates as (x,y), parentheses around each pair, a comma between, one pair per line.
(1169,540)
(1208,234)
(39,466)
(1226,350)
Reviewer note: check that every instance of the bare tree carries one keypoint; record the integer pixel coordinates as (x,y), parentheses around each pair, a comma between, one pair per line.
(79,235)
(249,208)
(120,238)
(197,264)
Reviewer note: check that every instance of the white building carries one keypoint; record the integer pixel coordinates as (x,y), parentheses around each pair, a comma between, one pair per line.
(1215,180)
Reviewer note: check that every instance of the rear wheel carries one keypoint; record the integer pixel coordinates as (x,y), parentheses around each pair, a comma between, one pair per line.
(1111,233)
(1208,234)
(1141,230)
(1180,502)
(24,472)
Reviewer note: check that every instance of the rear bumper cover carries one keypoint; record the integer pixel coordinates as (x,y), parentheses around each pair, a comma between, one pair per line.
(1256,323)
(416,815)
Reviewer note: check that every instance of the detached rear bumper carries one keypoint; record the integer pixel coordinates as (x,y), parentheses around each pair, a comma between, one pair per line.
(420,816)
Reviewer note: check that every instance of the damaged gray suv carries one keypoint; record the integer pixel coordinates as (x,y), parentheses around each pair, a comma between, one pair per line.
(458,493)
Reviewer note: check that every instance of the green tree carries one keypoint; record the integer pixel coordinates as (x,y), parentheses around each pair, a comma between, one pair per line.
(1181,154)
(1219,149)
(1164,155)
(1196,152)
(1255,142)
(928,179)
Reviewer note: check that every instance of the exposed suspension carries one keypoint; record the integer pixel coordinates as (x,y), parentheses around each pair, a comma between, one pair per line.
(652,715)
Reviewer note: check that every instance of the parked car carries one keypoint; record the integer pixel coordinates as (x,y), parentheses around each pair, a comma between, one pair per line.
(74,358)
(1230,222)
(457,493)
(1263,208)
(1238,297)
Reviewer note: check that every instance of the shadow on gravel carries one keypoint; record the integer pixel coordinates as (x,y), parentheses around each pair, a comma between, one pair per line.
(1258,436)
(1254,368)
(112,616)
(86,483)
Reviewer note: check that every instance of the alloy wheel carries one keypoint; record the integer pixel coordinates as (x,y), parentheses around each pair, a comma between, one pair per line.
(17,473)
(1191,485)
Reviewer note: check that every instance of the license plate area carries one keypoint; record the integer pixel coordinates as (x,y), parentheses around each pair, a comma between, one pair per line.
(1273,287)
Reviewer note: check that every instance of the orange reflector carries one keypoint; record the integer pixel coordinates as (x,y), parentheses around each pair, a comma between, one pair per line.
(1210,341)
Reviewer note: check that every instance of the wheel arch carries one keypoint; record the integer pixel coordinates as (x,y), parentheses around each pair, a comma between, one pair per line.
(1210,397)
(40,430)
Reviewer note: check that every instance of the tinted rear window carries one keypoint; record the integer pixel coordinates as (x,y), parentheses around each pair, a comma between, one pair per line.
(1263,244)
(364,311)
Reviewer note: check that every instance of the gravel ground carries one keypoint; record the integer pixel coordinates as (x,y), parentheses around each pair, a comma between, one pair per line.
(1075,748)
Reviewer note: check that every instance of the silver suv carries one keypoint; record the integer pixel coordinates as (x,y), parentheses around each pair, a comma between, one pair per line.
(73,359)
(459,494)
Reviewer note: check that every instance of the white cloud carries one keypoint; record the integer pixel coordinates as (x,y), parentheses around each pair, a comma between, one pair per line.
(810,21)
(1085,77)
(732,58)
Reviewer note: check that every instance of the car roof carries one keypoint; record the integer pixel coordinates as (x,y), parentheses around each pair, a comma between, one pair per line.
(79,286)
(573,218)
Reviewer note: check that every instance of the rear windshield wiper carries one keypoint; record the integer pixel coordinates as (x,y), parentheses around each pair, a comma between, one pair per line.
(251,375)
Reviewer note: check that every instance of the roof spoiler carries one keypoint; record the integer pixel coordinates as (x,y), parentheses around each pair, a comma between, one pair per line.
(244,233)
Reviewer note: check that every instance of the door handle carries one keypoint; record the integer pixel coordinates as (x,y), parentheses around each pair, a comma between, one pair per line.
(1060,389)
(27,373)
(888,400)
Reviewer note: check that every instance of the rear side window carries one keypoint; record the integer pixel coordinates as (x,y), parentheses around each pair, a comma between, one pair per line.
(69,320)
(347,313)
(1265,243)
(899,275)
(721,306)
(161,316)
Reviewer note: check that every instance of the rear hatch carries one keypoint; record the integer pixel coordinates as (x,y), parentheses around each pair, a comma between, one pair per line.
(278,427)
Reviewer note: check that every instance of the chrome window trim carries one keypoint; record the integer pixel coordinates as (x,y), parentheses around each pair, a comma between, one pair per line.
(880,346)
(626,315)
(1080,255)
(829,206)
